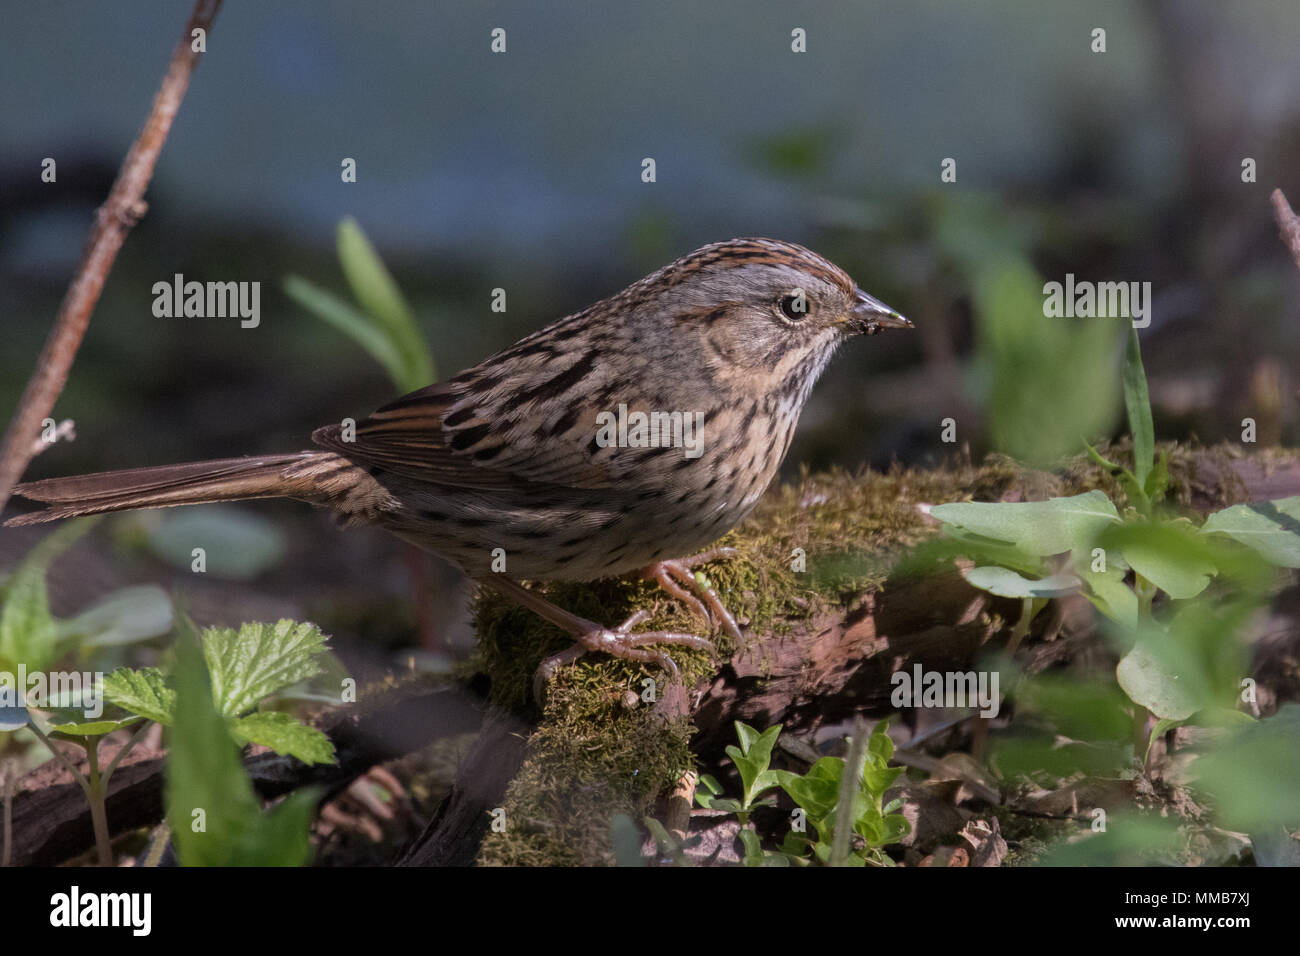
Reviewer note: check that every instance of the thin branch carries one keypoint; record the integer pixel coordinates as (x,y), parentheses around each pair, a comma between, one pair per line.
(123,208)
(1288,224)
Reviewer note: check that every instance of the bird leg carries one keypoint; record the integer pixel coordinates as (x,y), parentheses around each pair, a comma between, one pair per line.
(676,576)
(590,636)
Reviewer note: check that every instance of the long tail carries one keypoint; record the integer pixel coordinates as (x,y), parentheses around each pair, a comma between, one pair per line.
(311,475)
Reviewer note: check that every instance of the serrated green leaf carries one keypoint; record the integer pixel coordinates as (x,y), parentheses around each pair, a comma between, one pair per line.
(284,734)
(259,659)
(206,784)
(1006,583)
(1036,527)
(143,691)
(1269,528)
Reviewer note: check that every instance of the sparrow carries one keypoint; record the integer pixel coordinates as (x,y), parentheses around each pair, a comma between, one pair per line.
(621,439)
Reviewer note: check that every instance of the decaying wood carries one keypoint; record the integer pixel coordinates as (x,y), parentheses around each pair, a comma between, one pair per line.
(802,676)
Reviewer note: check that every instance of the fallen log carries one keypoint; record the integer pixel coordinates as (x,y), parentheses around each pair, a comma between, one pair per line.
(820,646)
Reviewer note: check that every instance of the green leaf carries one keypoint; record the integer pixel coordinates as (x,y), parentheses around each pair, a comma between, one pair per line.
(27,630)
(1157,482)
(710,783)
(1161,727)
(126,616)
(1270,528)
(1007,583)
(816,791)
(258,660)
(1254,776)
(1138,405)
(1037,527)
(1169,555)
(880,746)
(72,722)
(1045,381)
(284,734)
(215,817)
(1108,592)
(751,759)
(379,296)
(338,313)
(144,692)
(753,849)
(1150,676)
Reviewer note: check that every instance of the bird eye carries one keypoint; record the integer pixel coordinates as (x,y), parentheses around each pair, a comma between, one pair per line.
(794,307)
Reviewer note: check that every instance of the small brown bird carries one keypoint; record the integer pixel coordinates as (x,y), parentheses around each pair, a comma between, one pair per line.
(615,440)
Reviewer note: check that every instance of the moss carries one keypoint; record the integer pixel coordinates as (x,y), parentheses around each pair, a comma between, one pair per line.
(593,755)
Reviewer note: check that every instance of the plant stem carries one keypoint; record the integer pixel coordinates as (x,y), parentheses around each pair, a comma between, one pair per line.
(1018,633)
(61,757)
(125,749)
(1146,593)
(849,784)
(95,796)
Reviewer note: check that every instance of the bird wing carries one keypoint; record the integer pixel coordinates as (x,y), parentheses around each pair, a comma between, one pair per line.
(475,433)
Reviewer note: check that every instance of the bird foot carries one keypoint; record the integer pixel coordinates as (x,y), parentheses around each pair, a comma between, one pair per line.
(677,577)
(618,642)
(590,636)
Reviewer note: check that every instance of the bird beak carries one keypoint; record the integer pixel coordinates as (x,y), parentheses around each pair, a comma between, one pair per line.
(870,315)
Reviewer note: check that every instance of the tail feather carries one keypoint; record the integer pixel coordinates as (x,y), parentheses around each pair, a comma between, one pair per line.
(164,486)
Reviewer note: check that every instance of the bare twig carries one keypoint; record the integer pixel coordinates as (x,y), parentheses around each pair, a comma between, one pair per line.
(1288,224)
(123,208)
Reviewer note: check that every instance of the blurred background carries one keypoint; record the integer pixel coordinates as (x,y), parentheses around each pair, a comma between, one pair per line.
(522,170)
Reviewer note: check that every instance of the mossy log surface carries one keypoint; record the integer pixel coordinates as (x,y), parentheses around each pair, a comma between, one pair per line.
(818,646)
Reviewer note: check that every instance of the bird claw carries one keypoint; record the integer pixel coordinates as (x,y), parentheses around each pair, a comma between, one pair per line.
(619,642)
(677,575)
